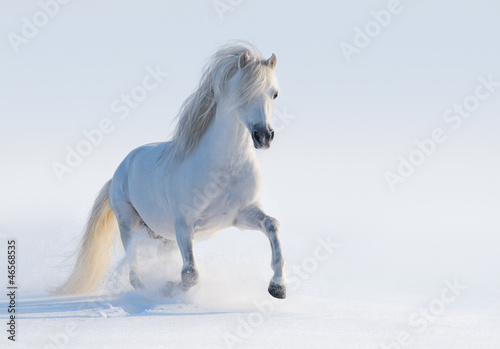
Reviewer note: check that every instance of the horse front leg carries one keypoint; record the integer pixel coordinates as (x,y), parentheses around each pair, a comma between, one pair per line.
(253,217)
(185,234)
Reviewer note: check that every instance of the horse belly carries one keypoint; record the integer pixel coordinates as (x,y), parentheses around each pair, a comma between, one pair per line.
(206,228)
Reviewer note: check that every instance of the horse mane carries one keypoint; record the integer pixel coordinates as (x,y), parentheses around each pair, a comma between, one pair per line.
(198,110)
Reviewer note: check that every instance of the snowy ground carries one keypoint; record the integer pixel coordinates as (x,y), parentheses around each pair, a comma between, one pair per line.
(368,267)
(331,302)
(138,320)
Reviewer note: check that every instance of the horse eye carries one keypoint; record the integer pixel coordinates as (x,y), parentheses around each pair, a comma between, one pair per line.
(275,95)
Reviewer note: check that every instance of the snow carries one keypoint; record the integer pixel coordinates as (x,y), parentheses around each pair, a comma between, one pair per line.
(142,320)
(330,303)
(414,268)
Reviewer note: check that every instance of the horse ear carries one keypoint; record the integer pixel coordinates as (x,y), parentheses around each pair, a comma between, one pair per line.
(271,62)
(243,60)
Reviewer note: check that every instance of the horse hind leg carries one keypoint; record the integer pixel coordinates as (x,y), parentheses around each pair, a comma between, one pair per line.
(165,246)
(135,279)
(131,227)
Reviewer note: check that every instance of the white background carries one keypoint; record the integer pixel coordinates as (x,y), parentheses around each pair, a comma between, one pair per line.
(347,125)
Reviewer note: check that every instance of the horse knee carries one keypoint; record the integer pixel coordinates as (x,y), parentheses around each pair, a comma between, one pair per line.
(271,225)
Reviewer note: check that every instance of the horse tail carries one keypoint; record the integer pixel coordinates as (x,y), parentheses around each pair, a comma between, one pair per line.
(96,248)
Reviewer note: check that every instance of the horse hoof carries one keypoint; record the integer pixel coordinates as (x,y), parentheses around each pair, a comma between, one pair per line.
(277,291)
(189,277)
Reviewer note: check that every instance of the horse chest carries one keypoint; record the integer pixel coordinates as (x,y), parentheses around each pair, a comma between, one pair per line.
(225,197)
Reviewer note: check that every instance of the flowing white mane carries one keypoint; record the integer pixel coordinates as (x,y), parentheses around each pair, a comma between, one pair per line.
(199,108)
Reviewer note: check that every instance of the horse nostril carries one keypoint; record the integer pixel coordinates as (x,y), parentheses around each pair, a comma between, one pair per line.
(272,134)
(256,135)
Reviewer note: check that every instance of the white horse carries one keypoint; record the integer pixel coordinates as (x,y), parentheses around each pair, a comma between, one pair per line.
(204,180)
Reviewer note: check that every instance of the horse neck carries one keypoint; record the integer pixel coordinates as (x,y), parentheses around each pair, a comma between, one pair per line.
(227,138)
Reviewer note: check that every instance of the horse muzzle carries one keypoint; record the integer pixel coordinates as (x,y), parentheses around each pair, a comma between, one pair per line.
(262,137)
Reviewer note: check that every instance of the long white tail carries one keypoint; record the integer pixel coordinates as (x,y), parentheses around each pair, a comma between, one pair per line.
(96,249)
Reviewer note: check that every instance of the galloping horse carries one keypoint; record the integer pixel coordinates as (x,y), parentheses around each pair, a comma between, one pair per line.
(205,179)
